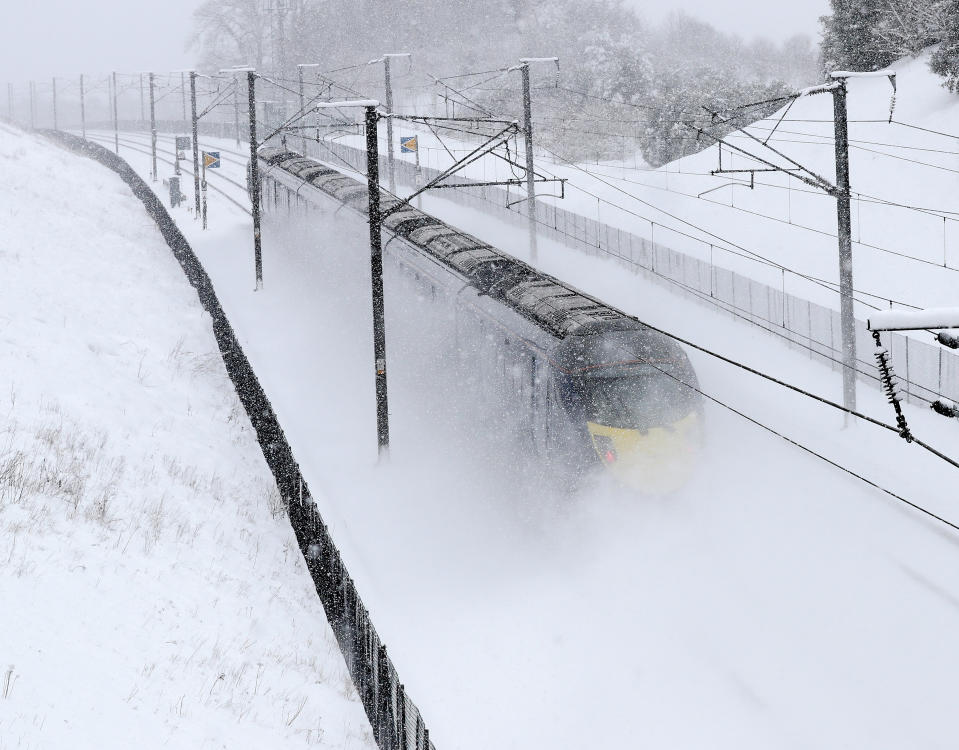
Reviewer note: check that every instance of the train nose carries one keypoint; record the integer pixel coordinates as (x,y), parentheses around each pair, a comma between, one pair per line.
(655,461)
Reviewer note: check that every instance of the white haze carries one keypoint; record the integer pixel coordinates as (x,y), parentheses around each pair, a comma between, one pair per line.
(59,37)
(747,18)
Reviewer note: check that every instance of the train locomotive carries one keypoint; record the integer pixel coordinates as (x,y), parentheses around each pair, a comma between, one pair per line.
(584,386)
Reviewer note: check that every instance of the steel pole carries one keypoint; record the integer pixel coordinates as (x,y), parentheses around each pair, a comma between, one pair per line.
(299,76)
(254,179)
(153,129)
(203,190)
(376,269)
(54,81)
(236,109)
(846,313)
(83,110)
(196,147)
(530,175)
(116,118)
(183,96)
(389,124)
(419,175)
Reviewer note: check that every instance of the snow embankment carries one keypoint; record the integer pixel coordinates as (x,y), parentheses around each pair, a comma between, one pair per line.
(151,589)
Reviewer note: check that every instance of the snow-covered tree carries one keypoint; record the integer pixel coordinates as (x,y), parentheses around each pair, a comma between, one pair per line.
(909,26)
(851,36)
(230,32)
(870,34)
(623,84)
(945,60)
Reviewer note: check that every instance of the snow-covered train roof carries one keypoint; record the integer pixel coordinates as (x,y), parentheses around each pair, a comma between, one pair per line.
(549,303)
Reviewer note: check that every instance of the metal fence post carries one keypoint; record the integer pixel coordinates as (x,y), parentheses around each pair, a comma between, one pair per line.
(153,127)
(401,716)
(83,110)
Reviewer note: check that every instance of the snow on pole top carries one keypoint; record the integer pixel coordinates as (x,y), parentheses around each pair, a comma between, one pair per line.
(913,320)
(389,54)
(822,88)
(863,74)
(538,59)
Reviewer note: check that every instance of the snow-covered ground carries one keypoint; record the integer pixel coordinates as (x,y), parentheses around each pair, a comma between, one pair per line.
(152,593)
(775,602)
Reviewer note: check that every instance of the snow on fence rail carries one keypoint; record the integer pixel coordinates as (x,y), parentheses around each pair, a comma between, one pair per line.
(397,723)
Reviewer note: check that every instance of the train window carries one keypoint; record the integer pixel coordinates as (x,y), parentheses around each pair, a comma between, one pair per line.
(637,401)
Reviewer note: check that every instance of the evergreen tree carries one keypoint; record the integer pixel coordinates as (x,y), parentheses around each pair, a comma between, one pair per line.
(852,38)
(945,60)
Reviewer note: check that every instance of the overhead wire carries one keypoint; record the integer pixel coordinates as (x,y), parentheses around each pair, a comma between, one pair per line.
(832,286)
(845,469)
(826,233)
(812,452)
(797,389)
(806,394)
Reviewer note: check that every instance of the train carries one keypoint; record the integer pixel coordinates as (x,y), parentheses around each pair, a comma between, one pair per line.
(585,388)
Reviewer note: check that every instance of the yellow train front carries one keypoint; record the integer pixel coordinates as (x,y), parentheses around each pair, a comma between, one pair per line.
(632,394)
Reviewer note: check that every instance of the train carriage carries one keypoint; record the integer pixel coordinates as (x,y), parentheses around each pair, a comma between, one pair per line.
(584,386)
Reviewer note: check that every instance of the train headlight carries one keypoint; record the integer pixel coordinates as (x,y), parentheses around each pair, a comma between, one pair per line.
(605,447)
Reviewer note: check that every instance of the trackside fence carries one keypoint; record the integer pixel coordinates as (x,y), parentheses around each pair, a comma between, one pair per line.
(397,723)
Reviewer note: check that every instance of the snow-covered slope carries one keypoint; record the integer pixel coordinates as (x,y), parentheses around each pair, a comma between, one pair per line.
(902,173)
(151,591)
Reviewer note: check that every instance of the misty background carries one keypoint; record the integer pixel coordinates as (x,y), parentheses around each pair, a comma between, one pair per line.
(635,79)
(638,67)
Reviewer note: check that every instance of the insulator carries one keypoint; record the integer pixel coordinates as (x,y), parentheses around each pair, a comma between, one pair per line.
(946,338)
(946,408)
(890,388)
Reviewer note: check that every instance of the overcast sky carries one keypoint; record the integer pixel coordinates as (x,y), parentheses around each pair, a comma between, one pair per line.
(776,19)
(40,38)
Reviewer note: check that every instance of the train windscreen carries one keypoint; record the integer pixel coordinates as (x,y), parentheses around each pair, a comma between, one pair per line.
(637,402)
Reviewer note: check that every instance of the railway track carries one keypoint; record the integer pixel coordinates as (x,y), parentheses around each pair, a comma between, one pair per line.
(133,146)
(236,157)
